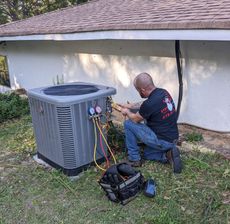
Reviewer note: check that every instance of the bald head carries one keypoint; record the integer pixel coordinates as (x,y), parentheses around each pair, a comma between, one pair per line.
(144,84)
(143,81)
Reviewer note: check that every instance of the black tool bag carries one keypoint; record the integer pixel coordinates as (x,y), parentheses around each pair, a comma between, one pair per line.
(121,183)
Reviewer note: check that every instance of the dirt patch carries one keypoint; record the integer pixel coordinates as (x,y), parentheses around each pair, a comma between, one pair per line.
(220,142)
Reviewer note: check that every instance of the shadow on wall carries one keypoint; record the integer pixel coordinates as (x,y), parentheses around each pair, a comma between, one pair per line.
(200,70)
(119,71)
(116,63)
(205,60)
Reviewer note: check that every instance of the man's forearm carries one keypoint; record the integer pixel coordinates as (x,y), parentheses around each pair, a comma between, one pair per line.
(136,105)
(135,117)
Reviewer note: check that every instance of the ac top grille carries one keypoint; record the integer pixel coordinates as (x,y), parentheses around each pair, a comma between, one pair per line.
(66,136)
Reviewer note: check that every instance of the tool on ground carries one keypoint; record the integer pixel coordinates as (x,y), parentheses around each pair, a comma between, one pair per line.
(150,188)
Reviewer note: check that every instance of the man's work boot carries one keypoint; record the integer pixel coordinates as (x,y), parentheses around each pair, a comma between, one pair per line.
(137,163)
(174,159)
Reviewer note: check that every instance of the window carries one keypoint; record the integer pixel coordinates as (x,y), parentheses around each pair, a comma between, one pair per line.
(4,73)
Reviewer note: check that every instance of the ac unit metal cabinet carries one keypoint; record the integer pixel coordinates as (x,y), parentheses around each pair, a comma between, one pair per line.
(63,131)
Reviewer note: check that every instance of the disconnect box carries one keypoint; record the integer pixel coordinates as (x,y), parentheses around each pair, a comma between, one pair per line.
(63,131)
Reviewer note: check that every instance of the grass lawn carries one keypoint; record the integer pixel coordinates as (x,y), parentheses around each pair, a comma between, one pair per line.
(30,193)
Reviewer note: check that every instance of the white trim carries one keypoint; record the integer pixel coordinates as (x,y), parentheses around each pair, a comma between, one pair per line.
(219,35)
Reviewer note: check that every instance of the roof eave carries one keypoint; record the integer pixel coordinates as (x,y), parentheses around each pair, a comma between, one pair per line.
(189,34)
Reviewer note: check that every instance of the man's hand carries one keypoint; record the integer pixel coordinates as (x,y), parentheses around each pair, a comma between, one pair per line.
(127,105)
(131,105)
(124,111)
(135,117)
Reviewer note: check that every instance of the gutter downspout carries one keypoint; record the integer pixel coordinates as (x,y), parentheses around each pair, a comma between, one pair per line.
(179,71)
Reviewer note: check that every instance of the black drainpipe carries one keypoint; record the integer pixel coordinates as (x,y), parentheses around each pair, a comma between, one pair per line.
(179,71)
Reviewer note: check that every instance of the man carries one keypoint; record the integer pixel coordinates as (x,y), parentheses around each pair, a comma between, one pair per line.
(160,132)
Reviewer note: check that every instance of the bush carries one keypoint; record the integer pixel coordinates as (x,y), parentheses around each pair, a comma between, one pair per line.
(193,137)
(12,106)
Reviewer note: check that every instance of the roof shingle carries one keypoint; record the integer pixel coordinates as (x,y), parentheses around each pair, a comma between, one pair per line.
(101,15)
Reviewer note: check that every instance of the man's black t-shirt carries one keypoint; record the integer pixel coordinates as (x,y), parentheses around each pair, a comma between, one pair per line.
(160,114)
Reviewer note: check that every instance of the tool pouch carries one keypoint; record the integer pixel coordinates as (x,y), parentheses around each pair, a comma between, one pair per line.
(121,183)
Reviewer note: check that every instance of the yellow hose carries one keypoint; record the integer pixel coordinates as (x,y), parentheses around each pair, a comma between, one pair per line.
(95,146)
(105,141)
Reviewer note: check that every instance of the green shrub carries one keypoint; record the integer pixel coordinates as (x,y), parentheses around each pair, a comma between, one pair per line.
(193,137)
(12,106)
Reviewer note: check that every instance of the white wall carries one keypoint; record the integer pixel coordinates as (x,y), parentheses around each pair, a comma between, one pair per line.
(207,73)
(115,63)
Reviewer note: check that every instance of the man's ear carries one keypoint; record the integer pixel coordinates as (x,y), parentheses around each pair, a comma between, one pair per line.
(142,90)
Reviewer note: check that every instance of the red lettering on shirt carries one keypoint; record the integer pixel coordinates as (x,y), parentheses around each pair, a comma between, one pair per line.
(167,115)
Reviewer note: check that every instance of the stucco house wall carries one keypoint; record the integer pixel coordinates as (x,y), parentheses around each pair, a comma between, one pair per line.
(206,69)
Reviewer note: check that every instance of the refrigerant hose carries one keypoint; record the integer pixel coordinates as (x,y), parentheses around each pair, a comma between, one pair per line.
(95,146)
(114,159)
